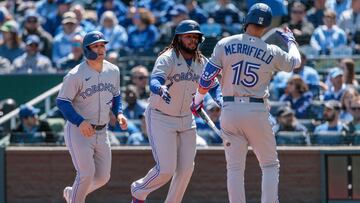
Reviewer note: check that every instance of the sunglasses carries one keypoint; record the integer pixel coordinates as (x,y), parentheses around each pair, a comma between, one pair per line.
(297,12)
(355,108)
(141,77)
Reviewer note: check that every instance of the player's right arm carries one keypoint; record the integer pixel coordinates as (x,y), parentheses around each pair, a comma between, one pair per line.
(64,102)
(292,59)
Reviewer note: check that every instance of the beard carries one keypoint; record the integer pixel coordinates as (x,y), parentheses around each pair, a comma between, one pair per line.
(329,118)
(186,49)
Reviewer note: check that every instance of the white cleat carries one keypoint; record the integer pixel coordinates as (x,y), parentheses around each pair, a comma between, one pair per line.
(67,194)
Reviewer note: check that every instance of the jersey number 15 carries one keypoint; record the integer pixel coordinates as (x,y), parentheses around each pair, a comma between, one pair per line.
(248,69)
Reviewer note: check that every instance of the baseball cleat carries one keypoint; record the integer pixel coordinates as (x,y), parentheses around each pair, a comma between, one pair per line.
(67,194)
(134,200)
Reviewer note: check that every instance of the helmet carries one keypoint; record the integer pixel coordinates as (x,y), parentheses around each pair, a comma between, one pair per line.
(188,26)
(259,14)
(89,39)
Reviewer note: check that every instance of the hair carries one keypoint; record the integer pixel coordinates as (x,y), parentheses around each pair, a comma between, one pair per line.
(350,66)
(146,16)
(330,13)
(299,83)
(176,46)
(111,15)
(139,68)
(298,4)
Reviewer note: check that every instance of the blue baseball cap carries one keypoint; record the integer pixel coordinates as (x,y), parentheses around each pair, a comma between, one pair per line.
(32,39)
(178,10)
(28,111)
(64,1)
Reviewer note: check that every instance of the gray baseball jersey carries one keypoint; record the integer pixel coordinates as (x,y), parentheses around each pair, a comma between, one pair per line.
(175,70)
(171,128)
(247,64)
(91,94)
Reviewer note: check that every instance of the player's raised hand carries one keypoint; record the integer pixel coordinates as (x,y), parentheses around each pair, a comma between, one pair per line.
(195,108)
(122,121)
(286,35)
(164,94)
(86,129)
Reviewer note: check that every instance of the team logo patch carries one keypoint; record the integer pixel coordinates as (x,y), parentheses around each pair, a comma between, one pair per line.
(261,20)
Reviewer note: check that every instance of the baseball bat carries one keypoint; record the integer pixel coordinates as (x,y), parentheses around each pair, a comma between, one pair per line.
(211,124)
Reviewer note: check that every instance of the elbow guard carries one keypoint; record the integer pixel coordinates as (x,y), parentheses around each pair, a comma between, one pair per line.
(209,74)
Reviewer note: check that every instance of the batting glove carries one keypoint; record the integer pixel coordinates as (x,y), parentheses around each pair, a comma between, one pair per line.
(286,35)
(196,108)
(164,94)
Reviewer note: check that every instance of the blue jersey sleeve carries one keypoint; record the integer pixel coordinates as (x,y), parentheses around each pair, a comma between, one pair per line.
(155,84)
(117,105)
(69,112)
(208,75)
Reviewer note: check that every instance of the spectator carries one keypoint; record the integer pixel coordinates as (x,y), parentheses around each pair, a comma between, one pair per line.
(349,94)
(139,138)
(299,96)
(328,36)
(143,35)
(286,121)
(159,8)
(331,116)
(79,11)
(178,14)
(32,61)
(337,88)
(134,107)
(54,22)
(229,16)
(315,14)
(62,41)
(348,67)
(12,47)
(195,12)
(122,135)
(339,6)
(5,66)
(46,8)
(203,130)
(113,32)
(140,78)
(32,27)
(354,125)
(112,57)
(31,129)
(74,58)
(211,28)
(298,23)
(116,6)
(349,21)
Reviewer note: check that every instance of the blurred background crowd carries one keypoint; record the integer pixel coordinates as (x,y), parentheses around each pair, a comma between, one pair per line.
(317,104)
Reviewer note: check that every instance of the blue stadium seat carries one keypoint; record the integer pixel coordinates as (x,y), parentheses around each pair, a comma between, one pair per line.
(328,138)
(292,138)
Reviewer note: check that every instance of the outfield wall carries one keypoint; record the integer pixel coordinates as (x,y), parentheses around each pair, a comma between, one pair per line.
(39,174)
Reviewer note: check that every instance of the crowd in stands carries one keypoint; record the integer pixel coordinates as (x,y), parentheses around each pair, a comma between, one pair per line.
(45,36)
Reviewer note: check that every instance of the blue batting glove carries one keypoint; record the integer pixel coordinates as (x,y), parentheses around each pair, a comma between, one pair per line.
(286,35)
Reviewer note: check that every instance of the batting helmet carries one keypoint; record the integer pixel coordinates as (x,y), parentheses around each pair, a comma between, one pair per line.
(259,14)
(187,27)
(89,39)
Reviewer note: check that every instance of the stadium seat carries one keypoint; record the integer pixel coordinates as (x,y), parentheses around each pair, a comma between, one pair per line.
(308,123)
(316,109)
(292,138)
(56,124)
(309,50)
(275,105)
(342,51)
(328,138)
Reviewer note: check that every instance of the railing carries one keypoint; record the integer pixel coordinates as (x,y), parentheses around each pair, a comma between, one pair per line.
(46,97)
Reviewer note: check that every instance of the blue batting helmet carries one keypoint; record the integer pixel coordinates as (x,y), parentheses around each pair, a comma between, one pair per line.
(259,14)
(189,27)
(89,39)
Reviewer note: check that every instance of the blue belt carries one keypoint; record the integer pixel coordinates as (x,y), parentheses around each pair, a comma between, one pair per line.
(251,99)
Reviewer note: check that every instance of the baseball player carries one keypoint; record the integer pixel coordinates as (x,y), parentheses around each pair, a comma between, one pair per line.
(170,124)
(89,92)
(247,64)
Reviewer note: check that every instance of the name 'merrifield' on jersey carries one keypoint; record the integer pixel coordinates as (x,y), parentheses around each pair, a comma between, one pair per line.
(88,92)
(188,76)
(248,50)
